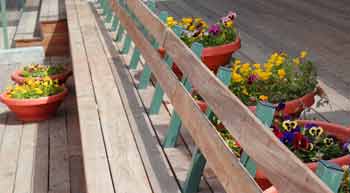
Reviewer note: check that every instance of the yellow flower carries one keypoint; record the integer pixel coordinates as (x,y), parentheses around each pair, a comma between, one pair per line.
(187,20)
(38,91)
(264,75)
(296,61)
(281,73)
(268,66)
(263,97)
(257,66)
(237,62)
(303,54)
(280,60)
(245,69)
(235,68)
(237,77)
(192,28)
(229,24)
(198,20)
(245,92)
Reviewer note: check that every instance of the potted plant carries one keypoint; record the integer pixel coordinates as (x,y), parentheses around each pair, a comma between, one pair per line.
(38,71)
(220,40)
(311,141)
(34,100)
(292,80)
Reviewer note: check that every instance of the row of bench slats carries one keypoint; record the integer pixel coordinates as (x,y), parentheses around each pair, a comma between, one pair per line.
(52,10)
(111,159)
(28,21)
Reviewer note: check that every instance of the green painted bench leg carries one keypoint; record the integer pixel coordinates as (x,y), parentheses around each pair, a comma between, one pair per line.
(135,58)
(120,33)
(175,123)
(193,178)
(248,164)
(198,160)
(109,15)
(159,93)
(145,77)
(126,46)
(173,131)
(115,23)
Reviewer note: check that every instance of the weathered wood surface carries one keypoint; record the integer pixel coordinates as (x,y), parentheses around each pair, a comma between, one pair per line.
(158,170)
(245,128)
(52,10)
(27,26)
(113,161)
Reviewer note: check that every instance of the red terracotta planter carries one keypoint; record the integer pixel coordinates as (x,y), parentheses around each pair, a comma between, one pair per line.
(62,77)
(340,132)
(213,57)
(29,110)
(297,105)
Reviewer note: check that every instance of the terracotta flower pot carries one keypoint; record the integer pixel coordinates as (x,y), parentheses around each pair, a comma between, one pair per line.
(61,77)
(297,105)
(29,110)
(340,132)
(213,57)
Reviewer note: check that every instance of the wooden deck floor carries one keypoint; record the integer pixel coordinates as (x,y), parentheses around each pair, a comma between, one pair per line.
(41,157)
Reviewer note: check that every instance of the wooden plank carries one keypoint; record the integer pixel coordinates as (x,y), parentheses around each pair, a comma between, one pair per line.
(9,153)
(26,159)
(125,163)
(159,173)
(59,163)
(40,178)
(96,169)
(271,154)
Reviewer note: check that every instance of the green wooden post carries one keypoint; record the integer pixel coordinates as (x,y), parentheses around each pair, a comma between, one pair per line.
(115,23)
(146,72)
(194,175)
(126,45)
(175,121)
(193,178)
(159,93)
(120,33)
(265,113)
(248,163)
(4,24)
(331,174)
(135,58)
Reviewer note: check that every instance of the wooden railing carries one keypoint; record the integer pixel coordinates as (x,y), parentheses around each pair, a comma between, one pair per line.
(280,165)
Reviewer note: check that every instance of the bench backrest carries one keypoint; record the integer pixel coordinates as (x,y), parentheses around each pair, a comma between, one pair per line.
(280,165)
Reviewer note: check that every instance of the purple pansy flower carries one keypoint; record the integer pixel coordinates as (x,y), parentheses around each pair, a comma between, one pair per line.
(214,29)
(310,125)
(346,146)
(225,19)
(280,106)
(232,15)
(288,137)
(252,78)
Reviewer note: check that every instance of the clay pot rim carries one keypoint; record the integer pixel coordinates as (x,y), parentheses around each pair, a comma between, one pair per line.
(17,75)
(222,49)
(33,102)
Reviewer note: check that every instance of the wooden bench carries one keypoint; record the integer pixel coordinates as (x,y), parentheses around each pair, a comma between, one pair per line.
(120,154)
(27,32)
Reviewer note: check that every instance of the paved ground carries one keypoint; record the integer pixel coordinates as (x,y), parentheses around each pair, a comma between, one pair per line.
(322,27)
